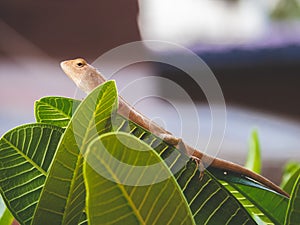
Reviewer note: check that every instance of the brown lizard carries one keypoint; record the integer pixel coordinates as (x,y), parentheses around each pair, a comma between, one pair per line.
(86,77)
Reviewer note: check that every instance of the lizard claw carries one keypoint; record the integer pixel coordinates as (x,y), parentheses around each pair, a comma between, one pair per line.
(199,165)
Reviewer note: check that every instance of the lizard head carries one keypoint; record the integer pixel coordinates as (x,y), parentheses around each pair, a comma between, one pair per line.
(85,76)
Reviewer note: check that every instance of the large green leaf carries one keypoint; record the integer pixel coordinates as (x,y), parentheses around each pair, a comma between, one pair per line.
(55,110)
(293,211)
(25,155)
(128,183)
(63,195)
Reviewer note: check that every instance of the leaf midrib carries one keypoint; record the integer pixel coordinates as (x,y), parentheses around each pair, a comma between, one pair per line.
(82,148)
(76,172)
(124,192)
(55,108)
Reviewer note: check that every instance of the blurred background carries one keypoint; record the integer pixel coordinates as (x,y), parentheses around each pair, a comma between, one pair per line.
(252,47)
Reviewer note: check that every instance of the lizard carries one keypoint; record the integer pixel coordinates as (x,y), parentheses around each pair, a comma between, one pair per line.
(87,78)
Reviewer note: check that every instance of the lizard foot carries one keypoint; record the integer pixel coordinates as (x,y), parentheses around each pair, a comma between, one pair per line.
(199,165)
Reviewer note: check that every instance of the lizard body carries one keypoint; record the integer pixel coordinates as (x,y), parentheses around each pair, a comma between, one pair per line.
(86,77)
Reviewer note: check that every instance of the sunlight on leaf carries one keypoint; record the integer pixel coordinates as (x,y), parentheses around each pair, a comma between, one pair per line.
(293,210)
(6,218)
(290,175)
(119,158)
(253,161)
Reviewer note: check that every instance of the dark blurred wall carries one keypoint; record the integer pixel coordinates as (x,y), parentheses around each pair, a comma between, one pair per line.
(66,29)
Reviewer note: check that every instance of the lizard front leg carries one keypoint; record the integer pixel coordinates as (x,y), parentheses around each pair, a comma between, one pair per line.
(195,155)
(200,166)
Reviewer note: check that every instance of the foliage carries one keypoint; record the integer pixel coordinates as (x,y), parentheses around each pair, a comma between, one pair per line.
(292,214)
(82,163)
(6,218)
(286,10)
(254,154)
(290,175)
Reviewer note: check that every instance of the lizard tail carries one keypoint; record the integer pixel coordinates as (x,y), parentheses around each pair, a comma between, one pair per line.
(248,173)
(231,167)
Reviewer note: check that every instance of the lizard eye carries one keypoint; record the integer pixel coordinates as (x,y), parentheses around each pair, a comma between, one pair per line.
(80,64)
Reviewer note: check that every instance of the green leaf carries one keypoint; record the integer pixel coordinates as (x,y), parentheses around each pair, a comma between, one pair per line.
(209,201)
(83,219)
(63,195)
(6,218)
(55,110)
(272,205)
(254,211)
(128,183)
(188,178)
(253,161)
(293,210)
(290,175)
(25,155)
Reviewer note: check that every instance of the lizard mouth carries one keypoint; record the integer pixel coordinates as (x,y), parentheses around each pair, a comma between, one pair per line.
(63,66)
